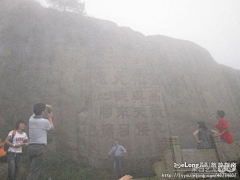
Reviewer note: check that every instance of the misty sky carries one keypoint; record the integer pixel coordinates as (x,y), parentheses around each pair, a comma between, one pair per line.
(213,24)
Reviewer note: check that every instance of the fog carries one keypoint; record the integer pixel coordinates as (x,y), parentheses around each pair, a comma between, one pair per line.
(106,82)
(214,25)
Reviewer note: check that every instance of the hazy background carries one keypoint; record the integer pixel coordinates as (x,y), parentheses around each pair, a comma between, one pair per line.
(213,24)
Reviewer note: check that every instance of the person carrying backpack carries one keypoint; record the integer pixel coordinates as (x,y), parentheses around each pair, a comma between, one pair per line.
(15,140)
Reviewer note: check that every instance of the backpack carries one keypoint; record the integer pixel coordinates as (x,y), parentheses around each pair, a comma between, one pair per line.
(6,146)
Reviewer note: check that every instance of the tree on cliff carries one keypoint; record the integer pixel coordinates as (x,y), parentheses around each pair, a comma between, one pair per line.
(76,6)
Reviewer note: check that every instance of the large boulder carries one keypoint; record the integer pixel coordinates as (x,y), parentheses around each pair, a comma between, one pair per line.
(108,82)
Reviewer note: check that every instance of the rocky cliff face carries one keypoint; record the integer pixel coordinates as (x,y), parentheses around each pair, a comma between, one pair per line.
(108,82)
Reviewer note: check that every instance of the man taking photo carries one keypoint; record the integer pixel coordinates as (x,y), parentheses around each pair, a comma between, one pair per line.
(38,128)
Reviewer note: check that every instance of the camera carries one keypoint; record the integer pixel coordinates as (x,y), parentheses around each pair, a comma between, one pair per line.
(49,111)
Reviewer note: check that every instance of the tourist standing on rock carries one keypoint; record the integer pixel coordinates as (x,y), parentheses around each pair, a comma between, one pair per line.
(15,140)
(38,128)
(117,152)
(223,127)
(202,136)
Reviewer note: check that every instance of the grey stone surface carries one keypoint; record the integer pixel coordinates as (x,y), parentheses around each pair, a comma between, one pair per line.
(107,82)
(192,156)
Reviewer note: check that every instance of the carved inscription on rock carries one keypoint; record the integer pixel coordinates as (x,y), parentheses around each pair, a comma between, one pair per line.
(142,129)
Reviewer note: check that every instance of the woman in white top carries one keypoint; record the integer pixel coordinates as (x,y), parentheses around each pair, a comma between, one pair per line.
(19,139)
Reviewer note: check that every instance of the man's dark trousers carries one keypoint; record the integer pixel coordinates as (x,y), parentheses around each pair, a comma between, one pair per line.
(117,162)
(36,153)
(13,165)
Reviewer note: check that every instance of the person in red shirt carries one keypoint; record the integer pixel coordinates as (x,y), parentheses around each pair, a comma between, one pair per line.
(223,127)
